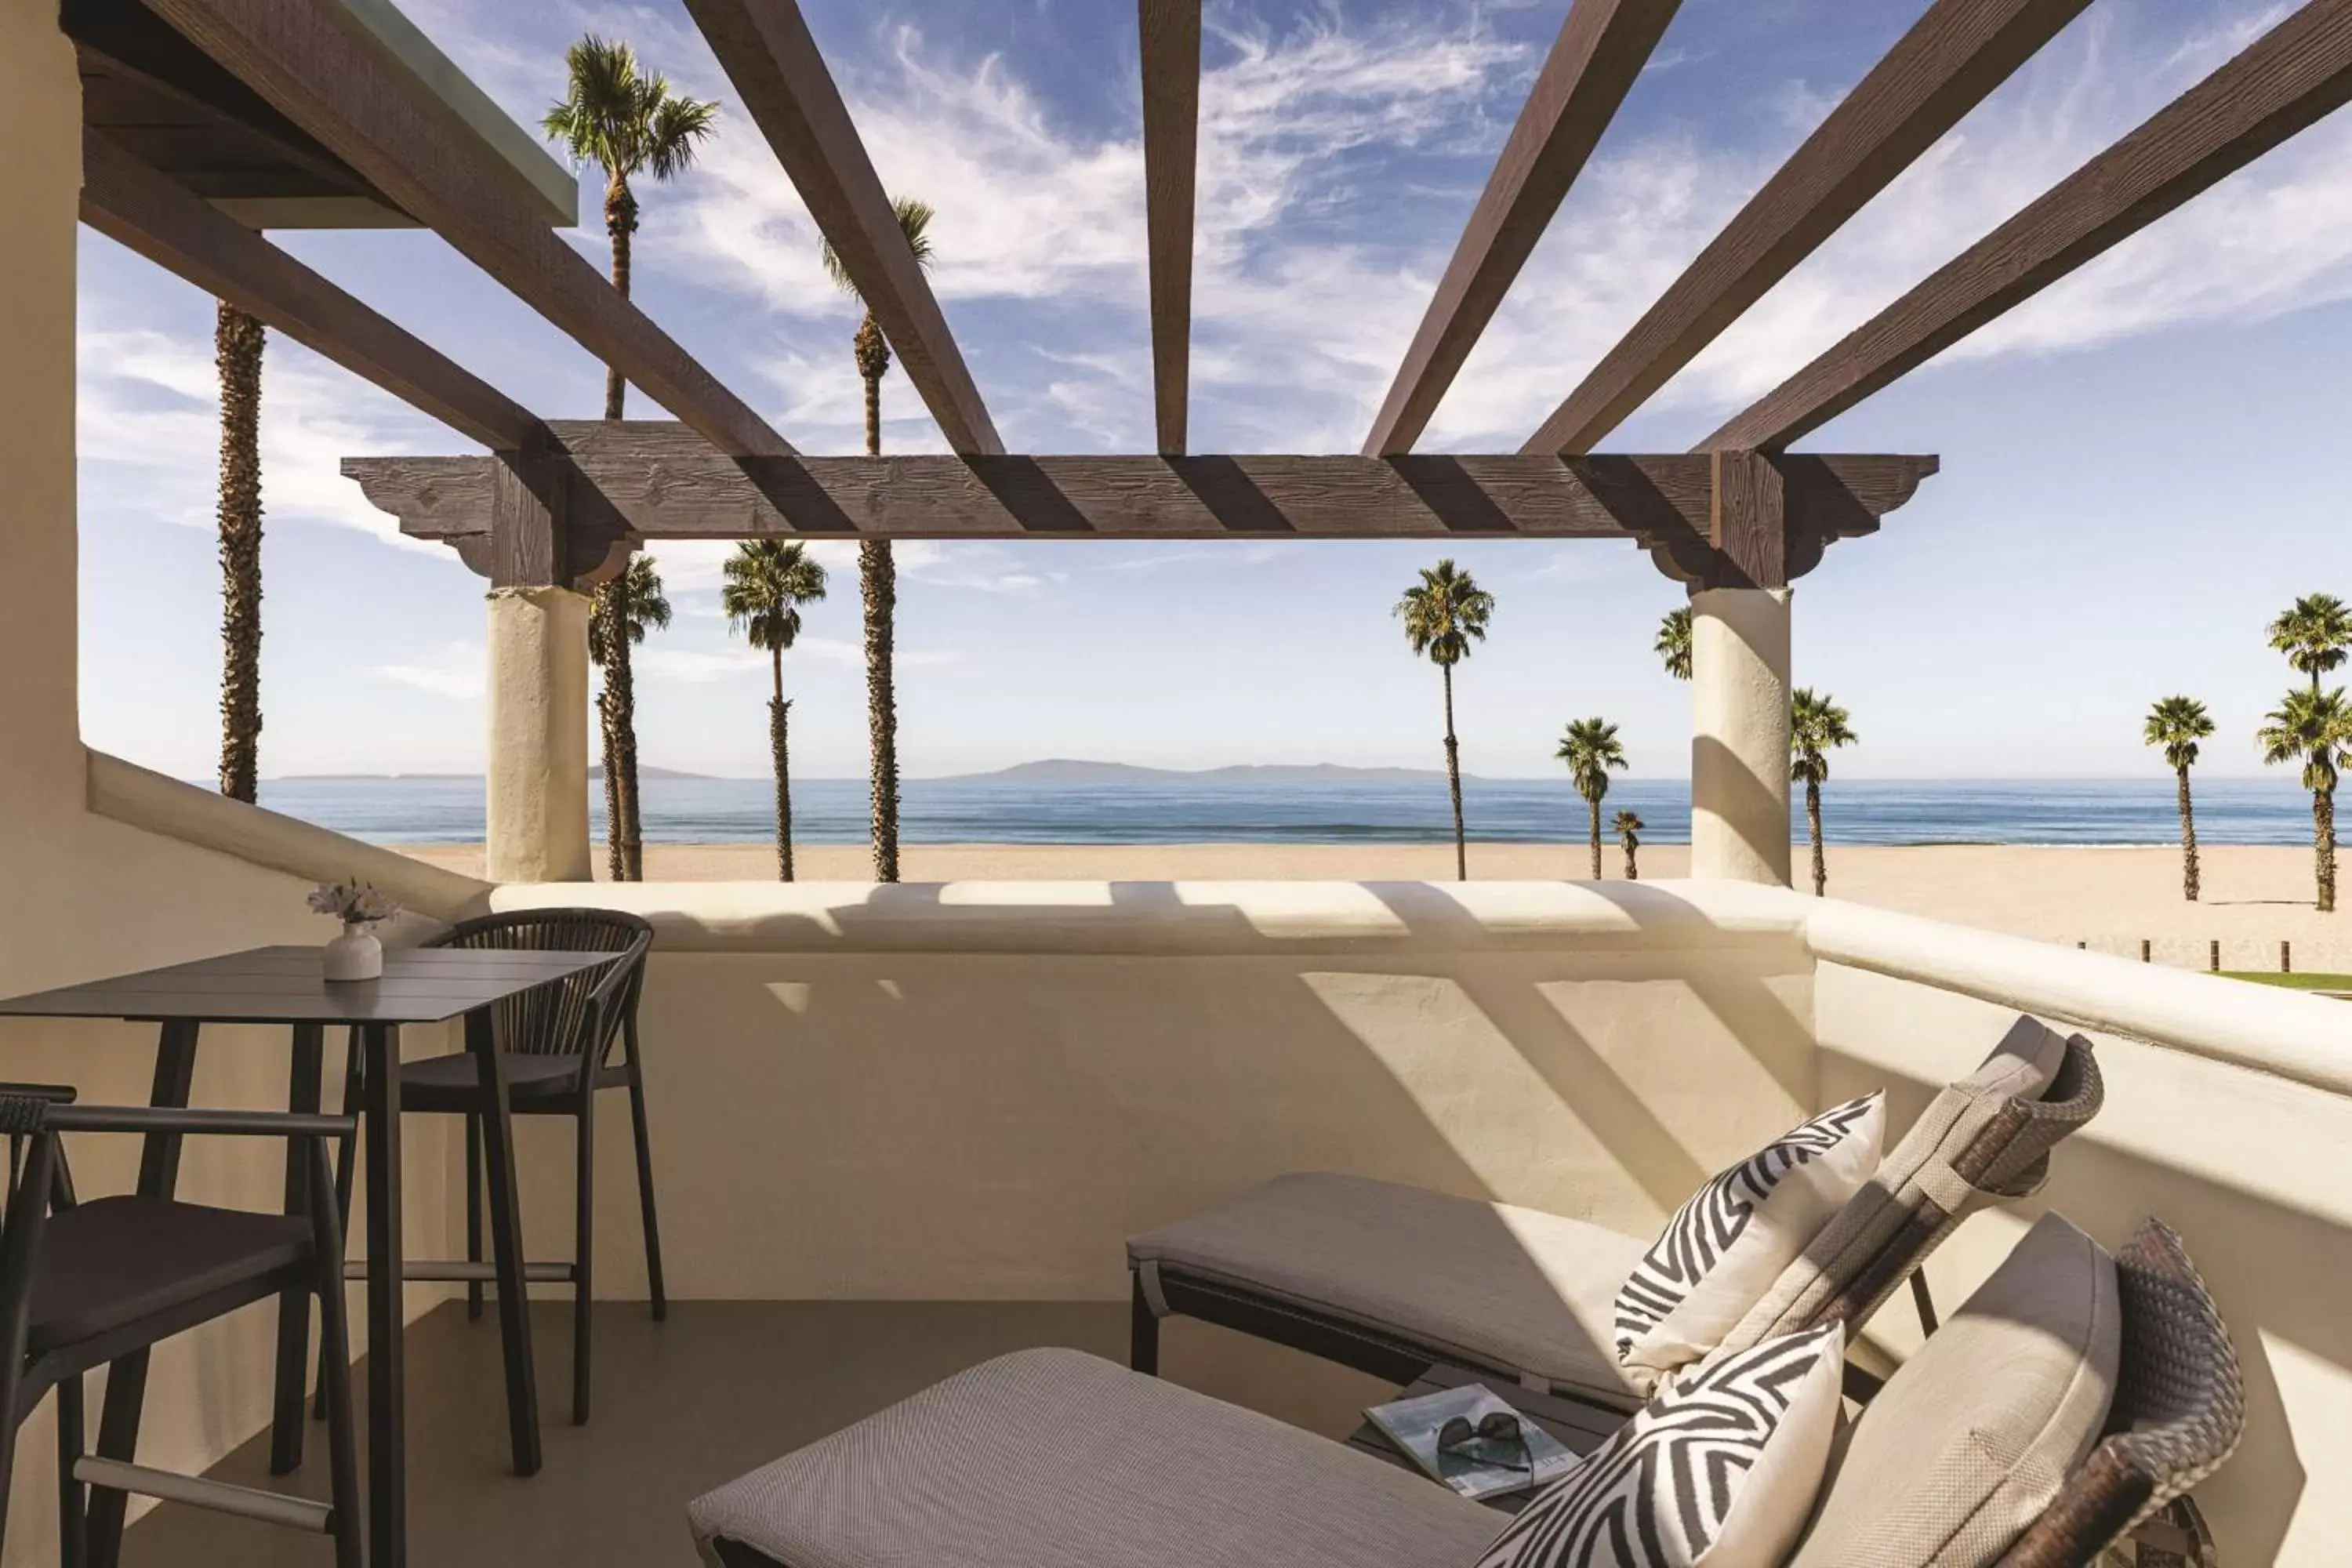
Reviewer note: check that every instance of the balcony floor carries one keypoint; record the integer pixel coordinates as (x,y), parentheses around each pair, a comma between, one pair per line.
(722,1387)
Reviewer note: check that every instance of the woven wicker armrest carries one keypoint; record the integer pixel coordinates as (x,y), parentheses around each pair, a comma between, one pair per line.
(2179,1410)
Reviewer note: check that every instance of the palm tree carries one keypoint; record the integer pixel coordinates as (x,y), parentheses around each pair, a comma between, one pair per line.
(877,578)
(2313,728)
(1629,825)
(1591,748)
(627,123)
(2178,723)
(1674,644)
(236,357)
(1444,614)
(2314,635)
(768,580)
(618,618)
(1817,726)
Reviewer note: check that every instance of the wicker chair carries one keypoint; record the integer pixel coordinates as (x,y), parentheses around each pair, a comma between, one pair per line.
(2179,1412)
(559,1043)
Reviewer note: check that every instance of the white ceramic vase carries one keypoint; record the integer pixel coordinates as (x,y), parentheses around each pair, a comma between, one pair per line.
(354,955)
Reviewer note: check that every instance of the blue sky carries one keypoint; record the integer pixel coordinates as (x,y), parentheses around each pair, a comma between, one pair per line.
(2139,467)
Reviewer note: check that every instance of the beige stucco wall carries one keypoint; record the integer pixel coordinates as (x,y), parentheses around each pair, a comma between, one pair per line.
(87,895)
(1739,733)
(537,653)
(980,1090)
(2248,1166)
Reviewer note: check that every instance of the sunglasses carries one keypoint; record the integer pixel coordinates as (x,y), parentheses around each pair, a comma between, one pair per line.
(1496,1427)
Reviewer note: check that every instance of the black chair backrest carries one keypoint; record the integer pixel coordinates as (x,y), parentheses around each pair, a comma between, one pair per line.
(576,1016)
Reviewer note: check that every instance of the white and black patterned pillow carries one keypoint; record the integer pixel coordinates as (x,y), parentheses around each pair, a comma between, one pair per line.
(1718,1470)
(1729,1241)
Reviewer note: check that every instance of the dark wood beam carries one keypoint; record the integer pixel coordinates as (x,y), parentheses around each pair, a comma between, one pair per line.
(633,481)
(336,90)
(2293,76)
(1944,67)
(133,204)
(768,54)
(1171,31)
(1593,63)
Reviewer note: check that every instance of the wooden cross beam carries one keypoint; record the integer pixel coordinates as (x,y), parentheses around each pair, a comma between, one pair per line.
(1170,31)
(2287,80)
(128,202)
(625,483)
(1599,53)
(1945,66)
(332,86)
(768,54)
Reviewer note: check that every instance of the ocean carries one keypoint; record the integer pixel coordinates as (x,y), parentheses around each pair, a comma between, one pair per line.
(422,810)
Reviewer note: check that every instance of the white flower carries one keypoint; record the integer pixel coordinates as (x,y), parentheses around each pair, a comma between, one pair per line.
(353,903)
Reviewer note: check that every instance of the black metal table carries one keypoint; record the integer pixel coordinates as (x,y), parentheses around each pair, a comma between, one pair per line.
(285,986)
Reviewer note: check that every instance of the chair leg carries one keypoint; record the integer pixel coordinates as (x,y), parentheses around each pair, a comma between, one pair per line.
(645,1182)
(346,1160)
(583,1254)
(473,1214)
(1143,1335)
(73,1522)
(349,1525)
(11,1379)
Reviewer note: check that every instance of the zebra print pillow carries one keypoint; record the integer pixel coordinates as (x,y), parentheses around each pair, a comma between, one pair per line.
(1730,1240)
(1718,1470)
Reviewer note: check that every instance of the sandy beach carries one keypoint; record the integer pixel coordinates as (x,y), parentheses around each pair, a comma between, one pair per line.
(2109,898)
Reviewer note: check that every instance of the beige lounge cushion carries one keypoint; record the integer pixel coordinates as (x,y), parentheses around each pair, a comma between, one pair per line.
(1490,1285)
(1970,1441)
(1915,1184)
(1052,1459)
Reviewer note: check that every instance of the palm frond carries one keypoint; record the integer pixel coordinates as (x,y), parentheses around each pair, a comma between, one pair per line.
(1444,612)
(615,115)
(1817,726)
(1591,748)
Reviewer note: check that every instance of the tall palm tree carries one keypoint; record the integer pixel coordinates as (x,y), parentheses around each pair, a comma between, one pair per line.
(236,357)
(628,122)
(1591,748)
(1674,644)
(768,581)
(1444,614)
(2313,728)
(619,617)
(2178,723)
(1629,825)
(877,577)
(1817,726)
(2314,634)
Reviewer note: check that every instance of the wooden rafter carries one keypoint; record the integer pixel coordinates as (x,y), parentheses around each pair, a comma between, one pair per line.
(133,204)
(336,90)
(768,54)
(1946,65)
(635,481)
(2287,80)
(1170,33)
(1599,52)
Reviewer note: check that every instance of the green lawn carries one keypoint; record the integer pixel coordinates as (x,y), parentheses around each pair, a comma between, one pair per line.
(2295,982)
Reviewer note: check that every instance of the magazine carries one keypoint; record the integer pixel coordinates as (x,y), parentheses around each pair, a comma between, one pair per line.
(1481,1466)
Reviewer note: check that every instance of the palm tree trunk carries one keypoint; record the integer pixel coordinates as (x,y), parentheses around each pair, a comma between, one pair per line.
(621,682)
(2323,835)
(620,223)
(1595,806)
(779,714)
(1821,861)
(877,578)
(2189,882)
(236,344)
(608,727)
(1633,865)
(1454,779)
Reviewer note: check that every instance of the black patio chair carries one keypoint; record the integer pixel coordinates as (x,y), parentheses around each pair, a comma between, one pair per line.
(558,1044)
(85,1284)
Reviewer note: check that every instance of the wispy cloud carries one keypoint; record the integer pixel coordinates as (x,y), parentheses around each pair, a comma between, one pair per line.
(455,670)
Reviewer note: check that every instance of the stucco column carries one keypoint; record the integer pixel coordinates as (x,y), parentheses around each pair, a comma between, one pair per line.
(1740,734)
(539,736)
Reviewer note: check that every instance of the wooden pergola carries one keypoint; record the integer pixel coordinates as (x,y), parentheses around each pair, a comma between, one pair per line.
(556,506)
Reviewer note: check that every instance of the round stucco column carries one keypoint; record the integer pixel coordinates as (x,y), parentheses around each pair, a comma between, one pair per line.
(1740,734)
(539,736)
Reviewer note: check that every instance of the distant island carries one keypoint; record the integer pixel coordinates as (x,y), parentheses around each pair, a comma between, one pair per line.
(1068,770)
(595,770)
